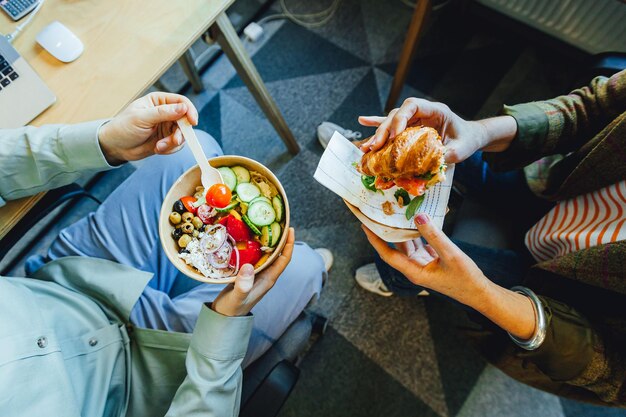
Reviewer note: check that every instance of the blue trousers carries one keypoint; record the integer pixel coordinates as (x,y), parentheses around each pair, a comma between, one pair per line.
(124,229)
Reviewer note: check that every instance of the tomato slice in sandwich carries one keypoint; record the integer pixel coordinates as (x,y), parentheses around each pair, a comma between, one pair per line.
(414,186)
(382,184)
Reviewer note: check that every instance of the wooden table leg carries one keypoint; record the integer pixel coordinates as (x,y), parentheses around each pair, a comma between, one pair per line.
(416,27)
(224,33)
(189,68)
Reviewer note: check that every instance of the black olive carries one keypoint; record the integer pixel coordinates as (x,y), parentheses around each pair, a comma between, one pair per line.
(179,207)
(183,250)
(177,233)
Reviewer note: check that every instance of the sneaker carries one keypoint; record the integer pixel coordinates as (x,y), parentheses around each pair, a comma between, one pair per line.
(326,130)
(369,279)
(327,256)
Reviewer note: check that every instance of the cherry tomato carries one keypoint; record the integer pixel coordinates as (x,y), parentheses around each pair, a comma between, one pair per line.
(188,203)
(218,196)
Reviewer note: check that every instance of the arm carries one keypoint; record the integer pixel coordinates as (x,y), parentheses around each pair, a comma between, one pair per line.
(523,134)
(574,350)
(213,384)
(37,159)
(563,124)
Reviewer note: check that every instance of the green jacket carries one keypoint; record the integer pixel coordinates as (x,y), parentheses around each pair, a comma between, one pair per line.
(66,345)
(574,144)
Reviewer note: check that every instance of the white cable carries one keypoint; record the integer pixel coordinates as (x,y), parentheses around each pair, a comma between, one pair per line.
(21,27)
(303,19)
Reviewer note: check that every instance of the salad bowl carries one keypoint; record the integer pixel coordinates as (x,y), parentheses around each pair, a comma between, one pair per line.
(186,185)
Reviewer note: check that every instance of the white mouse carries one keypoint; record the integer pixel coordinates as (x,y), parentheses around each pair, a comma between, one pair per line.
(60,42)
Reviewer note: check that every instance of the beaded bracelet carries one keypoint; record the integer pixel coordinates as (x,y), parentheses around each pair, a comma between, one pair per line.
(540,321)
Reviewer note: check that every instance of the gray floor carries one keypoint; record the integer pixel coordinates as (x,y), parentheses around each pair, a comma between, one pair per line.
(382,356)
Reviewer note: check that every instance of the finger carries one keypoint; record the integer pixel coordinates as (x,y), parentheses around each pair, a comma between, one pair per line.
(430,250)
(406,247)
(168,144)
(394,258)
(158,98)
(244,281)
(371,121)
(382,133)
(279,265)
(435,237)
(411,111)
(422,256)
(172,150)
(163,113)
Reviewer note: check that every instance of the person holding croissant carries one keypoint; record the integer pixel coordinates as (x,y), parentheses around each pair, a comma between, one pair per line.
(552,313)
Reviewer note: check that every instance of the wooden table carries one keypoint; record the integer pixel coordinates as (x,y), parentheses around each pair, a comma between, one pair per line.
(129,44)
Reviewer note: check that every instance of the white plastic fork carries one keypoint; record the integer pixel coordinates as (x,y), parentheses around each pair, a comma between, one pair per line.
(209,175)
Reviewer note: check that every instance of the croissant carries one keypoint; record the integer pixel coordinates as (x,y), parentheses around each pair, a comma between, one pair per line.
(413,160)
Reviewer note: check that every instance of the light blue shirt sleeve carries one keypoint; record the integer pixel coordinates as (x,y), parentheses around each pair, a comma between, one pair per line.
(35,159)
(212,387)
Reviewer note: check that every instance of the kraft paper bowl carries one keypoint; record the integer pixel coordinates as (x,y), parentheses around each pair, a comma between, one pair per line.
(186,185)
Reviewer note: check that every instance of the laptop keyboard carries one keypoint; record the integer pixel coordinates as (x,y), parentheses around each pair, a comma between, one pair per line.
(7,73)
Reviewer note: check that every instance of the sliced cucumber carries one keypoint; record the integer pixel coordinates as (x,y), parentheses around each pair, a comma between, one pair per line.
(275,232)
(229,177)
(261,198)
(233,203)
(266,236)
(251,225)
(279,208)
(248,192)
(261,213)
(243,175)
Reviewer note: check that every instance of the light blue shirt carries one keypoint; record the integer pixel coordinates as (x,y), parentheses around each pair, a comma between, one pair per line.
(66,346)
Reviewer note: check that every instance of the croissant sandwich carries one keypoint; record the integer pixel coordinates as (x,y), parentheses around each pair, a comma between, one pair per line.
(413,160)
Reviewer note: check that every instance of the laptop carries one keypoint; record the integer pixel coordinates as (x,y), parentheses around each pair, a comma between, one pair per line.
(23,95)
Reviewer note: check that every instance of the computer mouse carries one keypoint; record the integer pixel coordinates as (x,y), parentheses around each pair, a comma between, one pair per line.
(60,42)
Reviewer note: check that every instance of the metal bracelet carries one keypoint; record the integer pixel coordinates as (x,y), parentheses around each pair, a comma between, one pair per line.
(540,321)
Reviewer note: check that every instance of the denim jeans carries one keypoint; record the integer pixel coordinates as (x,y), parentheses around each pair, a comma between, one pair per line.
(124,229)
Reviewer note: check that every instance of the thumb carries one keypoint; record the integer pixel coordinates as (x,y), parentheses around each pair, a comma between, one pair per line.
(244,280)
(163,113)
(434,236)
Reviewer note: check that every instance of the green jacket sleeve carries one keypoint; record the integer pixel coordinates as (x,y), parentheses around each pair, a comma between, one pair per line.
(34,159)
(212,387)
(575,352)
(561,125)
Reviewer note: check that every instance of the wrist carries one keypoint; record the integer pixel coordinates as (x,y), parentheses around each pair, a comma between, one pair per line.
(512,311)
(225,310)
(109,151)
(498,134)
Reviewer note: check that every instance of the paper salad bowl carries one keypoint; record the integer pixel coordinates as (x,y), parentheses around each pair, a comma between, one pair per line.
(185,185)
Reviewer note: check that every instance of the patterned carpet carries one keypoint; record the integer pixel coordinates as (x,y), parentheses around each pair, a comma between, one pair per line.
(381,356)
(395,356)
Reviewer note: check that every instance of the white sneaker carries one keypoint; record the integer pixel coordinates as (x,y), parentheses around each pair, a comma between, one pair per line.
(368,278)
(326,130)
(327,256)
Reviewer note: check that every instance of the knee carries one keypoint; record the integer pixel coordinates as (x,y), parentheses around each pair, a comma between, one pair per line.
(209,144)
(306,269)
